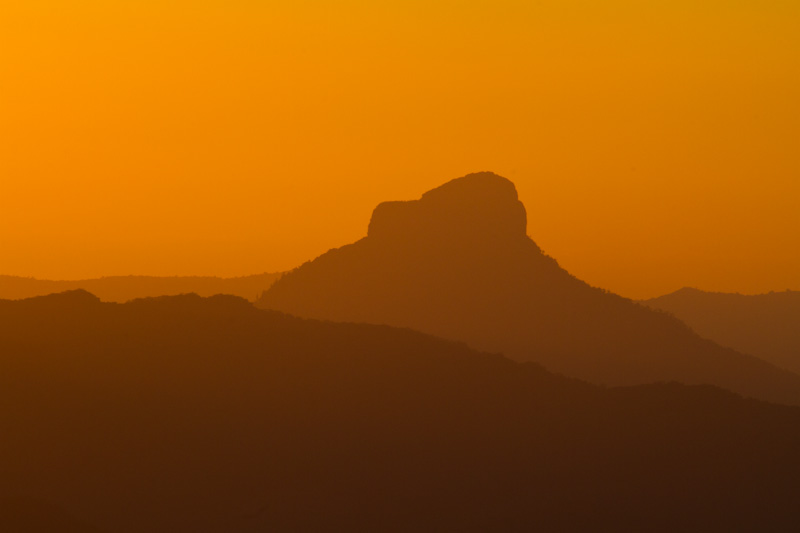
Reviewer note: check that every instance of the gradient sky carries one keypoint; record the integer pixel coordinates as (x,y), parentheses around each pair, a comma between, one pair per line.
(655,144)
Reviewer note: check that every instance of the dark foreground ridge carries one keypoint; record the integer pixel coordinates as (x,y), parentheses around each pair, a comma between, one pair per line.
(29,515)
(209,415)
(457,263)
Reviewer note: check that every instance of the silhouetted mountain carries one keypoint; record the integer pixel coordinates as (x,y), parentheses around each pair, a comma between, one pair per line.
(209,415)
(458,264)
(124,288)
(765,325)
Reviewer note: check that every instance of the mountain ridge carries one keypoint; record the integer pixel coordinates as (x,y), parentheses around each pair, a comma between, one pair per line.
(766,325)
(124,288)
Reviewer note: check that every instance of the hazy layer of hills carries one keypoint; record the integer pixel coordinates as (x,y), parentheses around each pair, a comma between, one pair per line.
(209,415)
(458,264)
(124,288)
(766,325)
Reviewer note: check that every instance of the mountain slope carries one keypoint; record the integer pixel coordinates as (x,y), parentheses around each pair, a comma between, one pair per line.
(208,415)
(458,264)
(765,325)
(124,288)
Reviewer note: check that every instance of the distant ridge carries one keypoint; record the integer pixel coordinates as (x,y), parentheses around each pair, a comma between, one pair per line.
(765,325)
(124,288)
(457,263)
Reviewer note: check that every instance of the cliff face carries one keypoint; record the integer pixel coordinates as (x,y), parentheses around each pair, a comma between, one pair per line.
(482,206)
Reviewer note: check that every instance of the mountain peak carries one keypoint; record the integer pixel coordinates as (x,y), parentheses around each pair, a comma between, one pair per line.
(457,263)
(481,204)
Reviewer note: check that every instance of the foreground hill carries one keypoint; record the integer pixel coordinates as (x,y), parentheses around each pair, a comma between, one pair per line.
(26,515)
(765,325)
(124,288)
(458,264)
(208,415)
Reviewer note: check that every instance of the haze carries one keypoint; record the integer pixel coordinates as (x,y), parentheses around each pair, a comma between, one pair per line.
(653,144)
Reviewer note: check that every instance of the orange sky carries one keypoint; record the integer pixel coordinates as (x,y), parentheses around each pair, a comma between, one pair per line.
(655,144)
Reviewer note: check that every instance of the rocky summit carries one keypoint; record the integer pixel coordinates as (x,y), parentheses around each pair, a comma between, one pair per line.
(477,206)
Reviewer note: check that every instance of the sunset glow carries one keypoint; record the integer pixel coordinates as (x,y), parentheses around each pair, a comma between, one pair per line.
(655,144)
